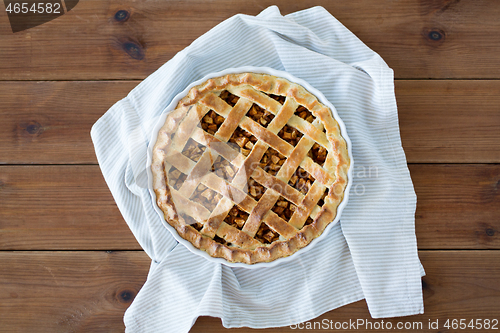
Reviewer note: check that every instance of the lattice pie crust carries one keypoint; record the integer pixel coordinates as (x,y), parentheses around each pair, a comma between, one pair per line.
(249,167)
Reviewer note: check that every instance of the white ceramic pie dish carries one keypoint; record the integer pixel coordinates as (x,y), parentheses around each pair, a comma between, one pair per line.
(251,69)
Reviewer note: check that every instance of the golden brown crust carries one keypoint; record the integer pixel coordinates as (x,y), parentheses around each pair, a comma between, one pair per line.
(241,244)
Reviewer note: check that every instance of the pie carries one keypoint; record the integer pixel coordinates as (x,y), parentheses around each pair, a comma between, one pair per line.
(249,167)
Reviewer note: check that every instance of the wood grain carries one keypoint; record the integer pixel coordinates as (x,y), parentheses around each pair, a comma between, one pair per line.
(72,291)
(89,291)
(50,122)
(442,121)
(458,285)
(59,208)
(419,39)
(70,208)
(450,121)
(458,206)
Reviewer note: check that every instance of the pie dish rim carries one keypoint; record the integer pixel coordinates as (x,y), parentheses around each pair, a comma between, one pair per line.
(258,70)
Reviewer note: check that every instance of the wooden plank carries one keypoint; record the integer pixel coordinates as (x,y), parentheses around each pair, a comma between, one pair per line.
(89,292)
(442,121)
(419,39)
(63,207)
(50,122)
(450,121)
(458,285)
(68,291)
(458,206)
(70,207)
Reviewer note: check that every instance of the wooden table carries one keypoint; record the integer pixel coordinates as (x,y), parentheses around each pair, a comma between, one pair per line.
(68,262)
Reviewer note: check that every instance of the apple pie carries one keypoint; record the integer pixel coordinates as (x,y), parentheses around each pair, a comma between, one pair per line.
(249,167)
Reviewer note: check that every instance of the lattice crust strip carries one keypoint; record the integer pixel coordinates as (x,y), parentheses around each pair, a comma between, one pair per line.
(227,143)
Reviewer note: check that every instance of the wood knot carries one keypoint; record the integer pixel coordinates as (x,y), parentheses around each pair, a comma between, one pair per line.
(434,36)
(134,50)
(122,15)
(424,284)
(33,128)
(485,233)
(426,289)
(126,296)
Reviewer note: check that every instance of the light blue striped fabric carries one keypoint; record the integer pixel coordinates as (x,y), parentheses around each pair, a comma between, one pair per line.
(371,254)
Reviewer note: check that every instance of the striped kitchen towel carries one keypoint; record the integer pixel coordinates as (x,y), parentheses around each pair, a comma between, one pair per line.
(370,254)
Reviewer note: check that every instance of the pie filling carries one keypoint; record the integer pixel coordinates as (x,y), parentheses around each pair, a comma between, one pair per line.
(301,180)
(243,141)
(224,169)
(176,178)
(236,217)
(192,222)
(211,122)
(206,197)
(193,150)
(290,135)
(321,201)
(265,235)
(284,209)
(279,98)
(305,114)
(229,98)
(318,154)
(255,190)
(309,221)
(272,161)
(221,240)
(260,115)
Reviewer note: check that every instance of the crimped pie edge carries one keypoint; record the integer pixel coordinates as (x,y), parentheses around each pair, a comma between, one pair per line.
(278,249)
